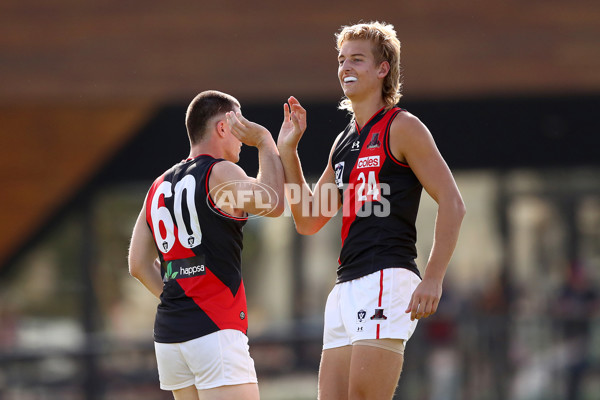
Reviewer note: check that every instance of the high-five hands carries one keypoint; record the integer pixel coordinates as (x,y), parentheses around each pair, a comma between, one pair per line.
(294,124)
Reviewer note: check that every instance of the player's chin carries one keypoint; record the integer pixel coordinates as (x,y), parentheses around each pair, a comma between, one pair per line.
(348,91)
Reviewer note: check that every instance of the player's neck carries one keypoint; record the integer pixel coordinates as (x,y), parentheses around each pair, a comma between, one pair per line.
(364,110)
(206,147)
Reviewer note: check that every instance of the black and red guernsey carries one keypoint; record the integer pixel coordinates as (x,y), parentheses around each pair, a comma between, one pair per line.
(380,197)
(200,250)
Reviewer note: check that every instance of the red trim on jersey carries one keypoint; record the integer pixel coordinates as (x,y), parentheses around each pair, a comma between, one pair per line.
(193,158)
(386,140)
(373,116)
(149,197)
(212,203)
(377,336)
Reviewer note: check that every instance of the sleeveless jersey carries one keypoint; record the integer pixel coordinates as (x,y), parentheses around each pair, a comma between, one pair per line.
(380,200)
(200,248)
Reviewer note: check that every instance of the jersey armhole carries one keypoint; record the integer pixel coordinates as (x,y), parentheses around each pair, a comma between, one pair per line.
(386,139)
(210,200)
(336,143)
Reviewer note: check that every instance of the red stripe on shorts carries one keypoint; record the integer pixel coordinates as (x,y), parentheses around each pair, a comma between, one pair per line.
(380,296)
(380,286)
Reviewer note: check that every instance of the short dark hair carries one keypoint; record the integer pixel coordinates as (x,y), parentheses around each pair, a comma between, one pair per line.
(205,106)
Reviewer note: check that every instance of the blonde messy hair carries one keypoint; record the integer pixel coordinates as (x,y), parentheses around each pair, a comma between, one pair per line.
(386,47)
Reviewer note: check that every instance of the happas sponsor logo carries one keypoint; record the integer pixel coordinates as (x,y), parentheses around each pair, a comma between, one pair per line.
(186,272)
(182,271)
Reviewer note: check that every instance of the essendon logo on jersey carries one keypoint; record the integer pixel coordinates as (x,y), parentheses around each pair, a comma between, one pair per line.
(368,162)
(374,143)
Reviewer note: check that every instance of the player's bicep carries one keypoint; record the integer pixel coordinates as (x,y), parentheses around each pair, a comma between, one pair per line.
(422,155)
(142,251)
(235,192)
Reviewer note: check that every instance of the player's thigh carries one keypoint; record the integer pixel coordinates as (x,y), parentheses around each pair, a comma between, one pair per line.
(187,393)
(334,373)
(247,391)
(374,373)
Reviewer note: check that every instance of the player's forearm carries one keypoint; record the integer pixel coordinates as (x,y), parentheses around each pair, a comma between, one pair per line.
(271,174)
(143,264)
(148,273)
(447,227)
(300,197)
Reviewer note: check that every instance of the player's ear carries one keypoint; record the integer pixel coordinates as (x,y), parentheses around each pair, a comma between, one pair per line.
(221,127)
(384,69)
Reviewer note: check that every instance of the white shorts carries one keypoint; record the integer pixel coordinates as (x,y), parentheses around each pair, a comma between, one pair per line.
(370,307)
(218,359)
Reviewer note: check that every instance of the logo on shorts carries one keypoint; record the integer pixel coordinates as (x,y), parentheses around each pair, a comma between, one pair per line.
(242,315)
(378,314)
(360,316)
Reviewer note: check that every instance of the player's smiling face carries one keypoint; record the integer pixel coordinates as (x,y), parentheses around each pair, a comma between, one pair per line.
(357,70)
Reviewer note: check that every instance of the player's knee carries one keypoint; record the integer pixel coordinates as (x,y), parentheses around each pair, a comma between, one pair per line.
(357,393)
(361,388)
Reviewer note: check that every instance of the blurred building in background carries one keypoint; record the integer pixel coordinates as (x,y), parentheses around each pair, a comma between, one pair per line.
(92,104)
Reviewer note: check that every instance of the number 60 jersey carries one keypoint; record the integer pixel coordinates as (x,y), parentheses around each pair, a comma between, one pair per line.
(380,199)
(200,248)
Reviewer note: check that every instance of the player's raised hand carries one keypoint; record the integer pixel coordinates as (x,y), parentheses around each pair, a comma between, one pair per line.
(294,124)
(248,132)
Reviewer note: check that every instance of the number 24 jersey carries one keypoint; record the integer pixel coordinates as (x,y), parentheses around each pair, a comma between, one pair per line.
(380,199)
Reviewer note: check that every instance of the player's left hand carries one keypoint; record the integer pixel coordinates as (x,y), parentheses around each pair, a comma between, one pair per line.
(425,299)
(294,123)
(248,132)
